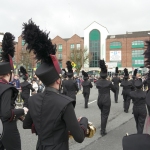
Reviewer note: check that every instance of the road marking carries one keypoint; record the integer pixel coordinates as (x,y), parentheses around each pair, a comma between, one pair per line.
(92,102)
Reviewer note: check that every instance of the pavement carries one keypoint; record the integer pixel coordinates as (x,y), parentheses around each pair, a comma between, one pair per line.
(116,119)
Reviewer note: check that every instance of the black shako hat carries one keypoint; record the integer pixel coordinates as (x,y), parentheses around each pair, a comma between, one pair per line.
(126,74)
(138,83)
(85,74)
(103,67)
(8,51)
(136,142)
(116,71)
(41,45)
(134,73)
(70,71)
(24,73)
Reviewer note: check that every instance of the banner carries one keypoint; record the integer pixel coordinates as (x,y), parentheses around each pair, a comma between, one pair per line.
(115,55)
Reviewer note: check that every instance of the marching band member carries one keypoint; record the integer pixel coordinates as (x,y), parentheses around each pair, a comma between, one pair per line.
(139,108)
(25,87)
(71,85)
(51,115)
(116,80)
(104,103)
(86,88)
(8,94)
(127,85)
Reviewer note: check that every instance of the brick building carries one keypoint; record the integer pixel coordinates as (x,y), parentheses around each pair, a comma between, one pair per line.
(126,49)
(64,47)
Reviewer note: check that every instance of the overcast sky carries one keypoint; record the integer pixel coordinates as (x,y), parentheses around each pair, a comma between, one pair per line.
(67,17)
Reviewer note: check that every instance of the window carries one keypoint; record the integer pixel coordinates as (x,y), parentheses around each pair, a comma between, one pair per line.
(137,58)
(137,44)
(23,42)
(60,47)
(60,64)
(94,41)
(78,46)
(72,46)
(115,45)
(59,56)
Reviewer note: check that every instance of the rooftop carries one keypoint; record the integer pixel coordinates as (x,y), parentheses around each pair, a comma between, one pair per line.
(130,35)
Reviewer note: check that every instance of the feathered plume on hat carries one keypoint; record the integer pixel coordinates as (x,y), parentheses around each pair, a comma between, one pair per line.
(126,72)
(84,73)
(116,71)
(135,72)
(41,45)
(103,66)
(69,66)
(39,42)
(8,48)
(23,71)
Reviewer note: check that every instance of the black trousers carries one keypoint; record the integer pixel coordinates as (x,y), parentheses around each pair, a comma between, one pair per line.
(127,100)
(86,98)
(140,114)
(105,110)
(116,95)
(11,137)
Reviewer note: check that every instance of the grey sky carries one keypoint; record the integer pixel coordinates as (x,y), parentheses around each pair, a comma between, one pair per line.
(67,17)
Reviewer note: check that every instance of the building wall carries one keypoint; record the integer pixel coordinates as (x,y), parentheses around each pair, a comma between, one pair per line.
(66,46)
(103,35)
(126,50)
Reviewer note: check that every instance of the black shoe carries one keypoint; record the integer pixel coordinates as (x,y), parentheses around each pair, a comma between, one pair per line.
(103,133)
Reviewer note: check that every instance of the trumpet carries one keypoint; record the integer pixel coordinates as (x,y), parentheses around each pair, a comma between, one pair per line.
(91,130)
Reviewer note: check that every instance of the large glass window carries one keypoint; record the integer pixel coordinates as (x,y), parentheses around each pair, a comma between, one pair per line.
(137,58)
(115,45)
(60,47)
(94,47)
(138,44)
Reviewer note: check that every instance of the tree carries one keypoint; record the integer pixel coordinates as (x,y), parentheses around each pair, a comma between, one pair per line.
(79,57)
(26,59)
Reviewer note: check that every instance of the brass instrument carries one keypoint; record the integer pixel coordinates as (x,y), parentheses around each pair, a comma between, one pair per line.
(91,130)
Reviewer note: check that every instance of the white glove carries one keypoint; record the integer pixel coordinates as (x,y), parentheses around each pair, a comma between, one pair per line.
(25,110)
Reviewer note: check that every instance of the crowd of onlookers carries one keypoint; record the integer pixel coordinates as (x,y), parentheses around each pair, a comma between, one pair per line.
(35,82)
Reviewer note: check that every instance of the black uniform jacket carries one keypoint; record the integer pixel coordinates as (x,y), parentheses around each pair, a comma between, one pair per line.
(138,97)
(63,86)
(8,95)
(104,86)
(86,86)
(116,81)
(53,116)
(72,88)
(26,87)
(127,86)
(147,83)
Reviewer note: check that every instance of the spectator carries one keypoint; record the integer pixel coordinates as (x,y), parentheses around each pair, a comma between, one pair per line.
(35,85)
(40,87)
(16,82)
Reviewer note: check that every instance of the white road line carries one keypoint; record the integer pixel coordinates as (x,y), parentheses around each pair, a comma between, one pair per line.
(92,102)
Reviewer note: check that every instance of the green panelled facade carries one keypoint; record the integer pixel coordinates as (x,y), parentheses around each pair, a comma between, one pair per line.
(137,57)
(115,45)
(137,44)
(94,41)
